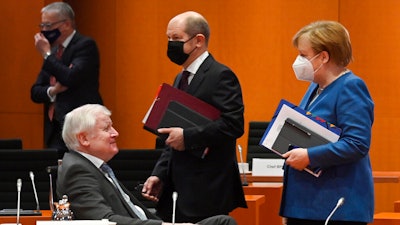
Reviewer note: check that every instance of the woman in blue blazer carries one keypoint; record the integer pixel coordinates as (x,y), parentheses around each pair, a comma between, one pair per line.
(337,95)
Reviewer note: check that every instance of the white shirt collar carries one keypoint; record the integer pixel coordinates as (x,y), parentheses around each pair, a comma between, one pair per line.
(68,39)
(96,161)
(192,68)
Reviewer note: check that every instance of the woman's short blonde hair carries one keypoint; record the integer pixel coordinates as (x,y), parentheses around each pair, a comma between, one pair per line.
(329,36)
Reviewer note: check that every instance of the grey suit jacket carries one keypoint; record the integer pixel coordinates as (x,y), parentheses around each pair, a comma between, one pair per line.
(92,196)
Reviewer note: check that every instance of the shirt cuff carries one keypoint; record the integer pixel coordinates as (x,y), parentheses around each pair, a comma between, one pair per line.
(52,98)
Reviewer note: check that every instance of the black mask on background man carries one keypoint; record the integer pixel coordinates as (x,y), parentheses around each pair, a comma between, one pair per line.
(51,35)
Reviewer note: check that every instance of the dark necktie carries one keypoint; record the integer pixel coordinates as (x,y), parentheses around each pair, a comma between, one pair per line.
(107,169)
(59,52)
(184,83)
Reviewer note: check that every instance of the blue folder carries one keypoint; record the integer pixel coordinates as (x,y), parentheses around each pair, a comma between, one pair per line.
(293,127)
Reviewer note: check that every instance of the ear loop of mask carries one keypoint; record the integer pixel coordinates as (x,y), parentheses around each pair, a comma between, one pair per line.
(194,46)
(315,58)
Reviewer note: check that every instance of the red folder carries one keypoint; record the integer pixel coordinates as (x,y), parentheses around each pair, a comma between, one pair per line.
(174,107)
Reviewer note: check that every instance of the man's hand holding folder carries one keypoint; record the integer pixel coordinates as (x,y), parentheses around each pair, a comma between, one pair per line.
(175,137)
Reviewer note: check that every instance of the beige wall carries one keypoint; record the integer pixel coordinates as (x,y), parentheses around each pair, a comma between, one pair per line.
(253,38)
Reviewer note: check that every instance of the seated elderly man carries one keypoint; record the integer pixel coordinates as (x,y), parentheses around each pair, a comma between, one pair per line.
(93,191)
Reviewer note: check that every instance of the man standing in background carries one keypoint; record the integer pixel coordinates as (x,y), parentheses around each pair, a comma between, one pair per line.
(200,162)
(69,76)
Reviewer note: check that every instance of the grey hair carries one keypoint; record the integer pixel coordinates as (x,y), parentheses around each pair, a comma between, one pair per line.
(63,10)
(81,119)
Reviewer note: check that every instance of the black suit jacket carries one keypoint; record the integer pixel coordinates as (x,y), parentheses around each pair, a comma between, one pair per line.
(212,185)
(93,196)
(78,70)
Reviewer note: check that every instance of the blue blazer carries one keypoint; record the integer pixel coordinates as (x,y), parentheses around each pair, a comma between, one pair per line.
(346,164)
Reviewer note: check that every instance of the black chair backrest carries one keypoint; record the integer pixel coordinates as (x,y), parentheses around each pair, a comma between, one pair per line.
(16,164)
(133,167)
(254,150)
(13,143)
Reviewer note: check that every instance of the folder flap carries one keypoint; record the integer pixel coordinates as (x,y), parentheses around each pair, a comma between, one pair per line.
(174,105)
(179,115)
(293,134)
(302,119)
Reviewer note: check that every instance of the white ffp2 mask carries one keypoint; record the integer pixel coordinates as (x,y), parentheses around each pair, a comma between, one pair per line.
(303,69)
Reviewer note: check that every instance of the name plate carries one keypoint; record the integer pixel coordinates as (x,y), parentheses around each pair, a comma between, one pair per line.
(267,167)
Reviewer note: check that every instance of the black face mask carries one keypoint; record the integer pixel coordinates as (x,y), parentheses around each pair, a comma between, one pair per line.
(175,51)
(51,35)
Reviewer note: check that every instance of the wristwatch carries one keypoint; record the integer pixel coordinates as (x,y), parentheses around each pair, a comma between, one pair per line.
(47,54)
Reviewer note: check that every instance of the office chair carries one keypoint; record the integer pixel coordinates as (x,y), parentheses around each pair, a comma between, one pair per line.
(13,143)
(254,150)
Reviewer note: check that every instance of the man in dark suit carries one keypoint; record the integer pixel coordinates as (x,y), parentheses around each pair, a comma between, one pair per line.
(69,76)
(200,162)
(93,191)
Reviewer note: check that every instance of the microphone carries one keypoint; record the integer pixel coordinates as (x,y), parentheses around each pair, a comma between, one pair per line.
(51,201)
(339,203)
(50,170)
(244,183)
(34,189)
(18,211)
(19,186)
(174,197)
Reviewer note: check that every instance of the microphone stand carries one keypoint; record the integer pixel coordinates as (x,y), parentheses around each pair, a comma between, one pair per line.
(34,190)
(19,186)
(174,197)
(244,183)
(339,203)
(51,201)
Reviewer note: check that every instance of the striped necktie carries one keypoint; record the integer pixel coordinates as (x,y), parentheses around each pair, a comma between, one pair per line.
(107,169)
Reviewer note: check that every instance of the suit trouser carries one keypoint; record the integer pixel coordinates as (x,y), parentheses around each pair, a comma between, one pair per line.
(218,220)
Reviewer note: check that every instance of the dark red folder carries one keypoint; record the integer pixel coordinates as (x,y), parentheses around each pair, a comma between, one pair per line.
(175,108)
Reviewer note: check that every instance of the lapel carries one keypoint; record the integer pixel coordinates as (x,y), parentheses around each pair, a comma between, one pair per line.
(68,50)
(90,165)
(305,103)
(200,74)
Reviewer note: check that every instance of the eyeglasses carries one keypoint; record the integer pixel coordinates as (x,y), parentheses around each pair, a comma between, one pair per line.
(49,25)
